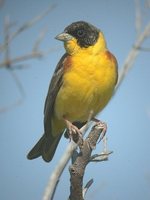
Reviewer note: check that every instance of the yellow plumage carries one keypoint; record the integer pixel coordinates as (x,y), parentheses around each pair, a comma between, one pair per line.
(83,83)
(88,82)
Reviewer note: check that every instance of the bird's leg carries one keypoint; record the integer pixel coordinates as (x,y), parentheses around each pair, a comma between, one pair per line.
(73,131)
(103,126)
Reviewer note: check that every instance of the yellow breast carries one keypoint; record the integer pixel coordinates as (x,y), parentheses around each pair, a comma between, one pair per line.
(88,84)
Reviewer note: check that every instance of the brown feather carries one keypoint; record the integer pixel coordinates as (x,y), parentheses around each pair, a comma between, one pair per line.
(47,144)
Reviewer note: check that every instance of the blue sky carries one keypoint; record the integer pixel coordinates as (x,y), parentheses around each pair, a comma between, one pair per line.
(127,173)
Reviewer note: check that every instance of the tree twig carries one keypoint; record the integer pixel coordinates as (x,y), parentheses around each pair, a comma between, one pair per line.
(27,56)
(18,83)
(138,17)
(78,167)
(39,39)
(27,25)
(9,63)
(54,178)
(133,53)
(87,186)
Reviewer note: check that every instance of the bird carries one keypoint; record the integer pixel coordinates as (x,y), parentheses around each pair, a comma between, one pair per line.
(83,82)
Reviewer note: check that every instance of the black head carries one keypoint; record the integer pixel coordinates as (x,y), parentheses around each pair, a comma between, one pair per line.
(85,33)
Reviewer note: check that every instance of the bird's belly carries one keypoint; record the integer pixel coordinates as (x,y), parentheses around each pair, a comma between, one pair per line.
(80,94)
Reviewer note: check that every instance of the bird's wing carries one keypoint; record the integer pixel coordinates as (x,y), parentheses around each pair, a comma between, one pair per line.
(54,87)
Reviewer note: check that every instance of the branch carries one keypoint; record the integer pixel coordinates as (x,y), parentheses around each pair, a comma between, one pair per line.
(22,58)
(20,100)
(138,17)
(87,186)
(27,25)
(77,170)
(133,53)
(35,53)
(18,84)
(146,49)
(28,56)
(54,178)
(6,33)
(9,62)
(39,39)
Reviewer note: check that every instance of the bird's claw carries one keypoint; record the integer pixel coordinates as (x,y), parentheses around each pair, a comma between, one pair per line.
(103,127)
(73,132)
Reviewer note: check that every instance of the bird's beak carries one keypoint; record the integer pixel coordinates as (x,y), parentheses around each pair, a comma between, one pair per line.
(64,37)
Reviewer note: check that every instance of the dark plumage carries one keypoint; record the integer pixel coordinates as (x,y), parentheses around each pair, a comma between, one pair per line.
(85,33)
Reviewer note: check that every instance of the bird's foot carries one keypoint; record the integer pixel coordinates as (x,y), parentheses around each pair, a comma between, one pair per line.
(102,125)
(73,132)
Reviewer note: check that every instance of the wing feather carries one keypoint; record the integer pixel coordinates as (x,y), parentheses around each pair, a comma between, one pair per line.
(54,87)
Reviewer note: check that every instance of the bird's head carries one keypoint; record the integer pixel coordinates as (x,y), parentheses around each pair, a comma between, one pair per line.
(81,35)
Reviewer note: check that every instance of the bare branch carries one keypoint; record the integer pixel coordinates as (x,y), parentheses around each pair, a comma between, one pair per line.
(35,53)
(138,16)
(6,33)
(54,178)
(33,21)
(27,25)
(18,59)
(21,91)
(87,186)
(133,53)
(146,49)
(9,62)
(77,169)
(8,65)
(18,83)
(103,156)
(39,39)
(28,56)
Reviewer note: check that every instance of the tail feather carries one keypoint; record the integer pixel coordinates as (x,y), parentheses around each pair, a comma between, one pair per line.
(50,148)
(45,147)
(36,151)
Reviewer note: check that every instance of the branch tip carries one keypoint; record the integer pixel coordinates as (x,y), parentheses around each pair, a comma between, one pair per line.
(87,186)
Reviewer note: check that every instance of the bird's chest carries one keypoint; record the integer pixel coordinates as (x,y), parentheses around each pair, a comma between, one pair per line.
(85,88)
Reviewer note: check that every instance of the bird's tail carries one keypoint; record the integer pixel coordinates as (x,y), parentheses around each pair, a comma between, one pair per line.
(45,147)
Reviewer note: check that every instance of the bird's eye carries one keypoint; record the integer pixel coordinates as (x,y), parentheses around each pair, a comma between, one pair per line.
(80,33)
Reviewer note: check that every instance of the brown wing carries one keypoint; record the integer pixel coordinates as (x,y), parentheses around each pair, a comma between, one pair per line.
(47,144)
(54,87)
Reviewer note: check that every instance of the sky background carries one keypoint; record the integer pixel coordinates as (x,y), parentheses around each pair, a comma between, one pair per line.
(127,173)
